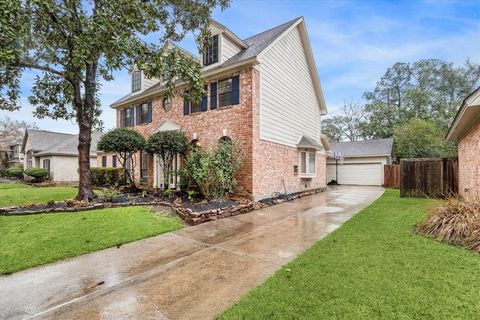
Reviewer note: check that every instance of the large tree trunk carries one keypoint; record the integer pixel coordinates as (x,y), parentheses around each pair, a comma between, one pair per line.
(85,116)
(85,190)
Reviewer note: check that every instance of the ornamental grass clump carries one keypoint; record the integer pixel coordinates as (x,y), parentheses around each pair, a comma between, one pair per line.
(456,222)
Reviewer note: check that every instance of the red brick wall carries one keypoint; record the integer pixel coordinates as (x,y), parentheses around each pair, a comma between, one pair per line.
(265,164)
(469,163)
(210,125)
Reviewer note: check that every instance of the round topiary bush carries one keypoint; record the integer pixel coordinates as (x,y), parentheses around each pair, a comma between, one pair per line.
(15,172)
(39,174)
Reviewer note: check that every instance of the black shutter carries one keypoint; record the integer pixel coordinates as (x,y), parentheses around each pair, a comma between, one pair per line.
(213,95)
(236,90)
(122,118)
(149,114)
(138,114)
(204,103)
(186,105)
(132,111)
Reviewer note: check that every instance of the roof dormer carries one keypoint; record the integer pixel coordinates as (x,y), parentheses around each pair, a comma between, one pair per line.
(224,45)
(140,82)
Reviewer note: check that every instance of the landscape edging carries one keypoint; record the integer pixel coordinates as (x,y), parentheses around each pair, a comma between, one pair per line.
(187,214)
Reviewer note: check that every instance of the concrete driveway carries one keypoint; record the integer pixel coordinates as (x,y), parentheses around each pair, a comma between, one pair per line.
(194,273)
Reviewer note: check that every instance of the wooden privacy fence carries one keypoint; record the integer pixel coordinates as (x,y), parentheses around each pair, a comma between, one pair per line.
(435,178)
(391,176)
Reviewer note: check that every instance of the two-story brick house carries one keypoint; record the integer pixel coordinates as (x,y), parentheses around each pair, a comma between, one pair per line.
(264,93)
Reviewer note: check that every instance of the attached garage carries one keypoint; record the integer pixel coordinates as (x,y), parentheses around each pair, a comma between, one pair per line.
(361,162)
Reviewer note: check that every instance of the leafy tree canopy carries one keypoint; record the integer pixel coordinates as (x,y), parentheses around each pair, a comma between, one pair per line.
(121,140)
(75,44)
(125,143)
(429,89)
(422,139)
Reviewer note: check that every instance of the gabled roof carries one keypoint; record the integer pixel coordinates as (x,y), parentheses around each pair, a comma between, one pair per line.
(363,148)
(307,142)
(229,33)
(467,115)
(256,45)
(68,147)
(42,139)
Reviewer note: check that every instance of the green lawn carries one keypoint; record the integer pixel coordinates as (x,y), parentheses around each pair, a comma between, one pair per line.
(373,267)
(13,185)
(16,194)
(27,241)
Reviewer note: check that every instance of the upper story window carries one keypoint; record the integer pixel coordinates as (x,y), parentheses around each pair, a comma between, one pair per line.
(126,117)
(195,107)
(229,91)
(136,80)
(210,56)
(144,113)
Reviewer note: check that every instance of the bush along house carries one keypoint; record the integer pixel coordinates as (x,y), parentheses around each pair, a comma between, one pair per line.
(263,93)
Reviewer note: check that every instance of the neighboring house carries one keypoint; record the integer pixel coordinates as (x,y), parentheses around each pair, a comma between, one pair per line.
(15,155)
(56,152)
(465,130)
(362,161)
(263,92)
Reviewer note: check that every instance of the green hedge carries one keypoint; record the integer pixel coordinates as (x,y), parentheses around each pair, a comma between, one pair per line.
(15,172)
(102,177)
(38,173)
(3,172)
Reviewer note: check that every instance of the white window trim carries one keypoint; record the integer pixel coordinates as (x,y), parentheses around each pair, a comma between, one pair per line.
(307,174)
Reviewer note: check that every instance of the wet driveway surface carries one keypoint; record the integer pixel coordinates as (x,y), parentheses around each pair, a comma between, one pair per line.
(194,273)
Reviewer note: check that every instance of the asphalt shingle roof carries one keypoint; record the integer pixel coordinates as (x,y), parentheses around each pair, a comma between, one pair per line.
(308,142)
(256,44)
(55,143)
(69,146)
(364,147)
(42,139)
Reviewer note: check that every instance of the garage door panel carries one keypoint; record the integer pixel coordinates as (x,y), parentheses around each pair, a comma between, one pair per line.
(357,174)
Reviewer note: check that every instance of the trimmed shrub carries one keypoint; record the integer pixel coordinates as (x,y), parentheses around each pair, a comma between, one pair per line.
(3,172)
(39,174)
(213,172)
(456,222)
(15,172)
(102,177)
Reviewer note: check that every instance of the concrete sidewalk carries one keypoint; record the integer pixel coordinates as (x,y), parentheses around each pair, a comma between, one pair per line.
(194,273)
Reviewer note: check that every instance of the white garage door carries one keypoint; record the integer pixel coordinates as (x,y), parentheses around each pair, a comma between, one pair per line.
(357,173)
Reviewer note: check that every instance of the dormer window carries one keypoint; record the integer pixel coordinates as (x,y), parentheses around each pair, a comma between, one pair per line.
(136,80)
(210,56)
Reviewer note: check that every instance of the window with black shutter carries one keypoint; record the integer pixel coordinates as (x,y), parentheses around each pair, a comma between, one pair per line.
(128,117)
(195,107)
(210,56)
(143,113)
(229,91)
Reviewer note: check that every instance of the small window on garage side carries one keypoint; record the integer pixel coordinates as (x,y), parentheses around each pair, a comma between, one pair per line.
(104,161)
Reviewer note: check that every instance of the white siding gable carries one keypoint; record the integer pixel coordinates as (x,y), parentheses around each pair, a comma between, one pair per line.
(288,104)
(228,48)
(147,83)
